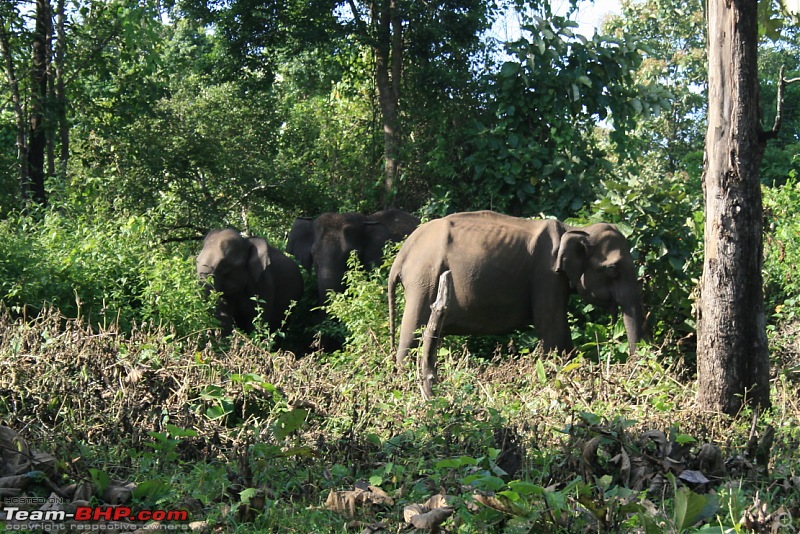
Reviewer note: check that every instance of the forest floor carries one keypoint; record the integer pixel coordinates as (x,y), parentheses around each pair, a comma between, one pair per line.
(250,440)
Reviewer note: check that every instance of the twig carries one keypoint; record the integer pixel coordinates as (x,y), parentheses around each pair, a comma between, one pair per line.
(776,126)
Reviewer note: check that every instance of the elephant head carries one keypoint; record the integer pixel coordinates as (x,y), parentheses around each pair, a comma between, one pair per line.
(597,261)
(243,269)
(233,262)
(336,235)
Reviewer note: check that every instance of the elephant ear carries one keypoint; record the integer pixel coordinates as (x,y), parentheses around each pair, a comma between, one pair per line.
(376,234)
(573,252)
(259,260)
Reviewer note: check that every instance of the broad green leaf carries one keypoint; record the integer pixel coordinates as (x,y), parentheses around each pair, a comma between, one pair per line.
(288,422)
(525,488)
(541,375)
(691,508)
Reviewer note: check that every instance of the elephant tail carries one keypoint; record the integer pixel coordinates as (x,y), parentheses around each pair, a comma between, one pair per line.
(394,277)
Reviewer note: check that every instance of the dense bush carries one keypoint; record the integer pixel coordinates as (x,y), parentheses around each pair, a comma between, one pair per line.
(661,215)
(782,250)
(106,271)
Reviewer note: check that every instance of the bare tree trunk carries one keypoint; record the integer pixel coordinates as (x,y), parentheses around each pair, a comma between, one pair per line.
(38,136)
(16,100)
(389,61)
(61,96)
(732,352)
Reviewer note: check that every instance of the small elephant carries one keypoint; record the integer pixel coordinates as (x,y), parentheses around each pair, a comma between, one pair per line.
(508,273)
(244,270)
(336,235)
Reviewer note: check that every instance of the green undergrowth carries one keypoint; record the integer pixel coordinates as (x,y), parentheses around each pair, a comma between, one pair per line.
(111,365)
(250,441)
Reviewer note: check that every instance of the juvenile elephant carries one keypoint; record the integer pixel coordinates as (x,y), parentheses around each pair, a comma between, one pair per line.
(336,235)
(509,273)
(244,269)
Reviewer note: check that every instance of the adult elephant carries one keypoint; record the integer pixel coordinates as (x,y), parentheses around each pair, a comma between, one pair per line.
(508,273)
(251,276)
(336,235)
(300,241)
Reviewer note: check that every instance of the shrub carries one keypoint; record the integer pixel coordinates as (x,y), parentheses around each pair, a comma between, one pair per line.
(661,215)
(103,270)
(782,250)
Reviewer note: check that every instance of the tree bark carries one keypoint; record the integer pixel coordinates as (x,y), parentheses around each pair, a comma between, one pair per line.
(388,66)
(37,146)
(16,100)
(732,352)
(61,94)
(432,336)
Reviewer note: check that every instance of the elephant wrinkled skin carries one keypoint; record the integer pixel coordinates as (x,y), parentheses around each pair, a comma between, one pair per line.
(509,273)
(336,235)
(244,270)
(300,241)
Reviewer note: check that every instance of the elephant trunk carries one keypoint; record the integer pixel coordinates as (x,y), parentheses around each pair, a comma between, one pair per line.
(328,280)
(633,317)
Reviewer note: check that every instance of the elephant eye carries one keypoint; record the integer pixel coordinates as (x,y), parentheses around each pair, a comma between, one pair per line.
(612,271)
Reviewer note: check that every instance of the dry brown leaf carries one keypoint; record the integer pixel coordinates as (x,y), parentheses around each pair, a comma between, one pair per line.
(346,502)
(341,502)
(414,509)
(710,460)
(429,515)
(624,466)
(42,461)
(378,496)
(134,376)
(15,482)
(501,504)
(589,456)
(439,500)
(84,491)
(758,519)
(14,453)
(119,492)
(657,437)
(432,519)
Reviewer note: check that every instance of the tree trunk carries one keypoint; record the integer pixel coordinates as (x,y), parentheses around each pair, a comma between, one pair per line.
(388,65)
(16,100)
(732,352)
(432,336)
(61,96)
(37,146)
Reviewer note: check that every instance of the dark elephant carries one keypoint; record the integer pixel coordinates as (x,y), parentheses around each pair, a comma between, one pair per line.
(244,270)
(509,273)
(336,235)
(300,241)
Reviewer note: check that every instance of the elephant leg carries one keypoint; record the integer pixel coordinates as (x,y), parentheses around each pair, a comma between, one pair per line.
(552,325)
(416,313)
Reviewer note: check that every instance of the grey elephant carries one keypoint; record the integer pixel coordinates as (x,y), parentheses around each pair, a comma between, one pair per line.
(508,273)
(249,274)
(300,241)
(336,235)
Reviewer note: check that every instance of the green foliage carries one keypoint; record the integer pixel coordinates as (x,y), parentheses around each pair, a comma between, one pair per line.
(536,151)
(661,215)
(672,36)
(782,250)
(329,138)
(361,307)
(106,271)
